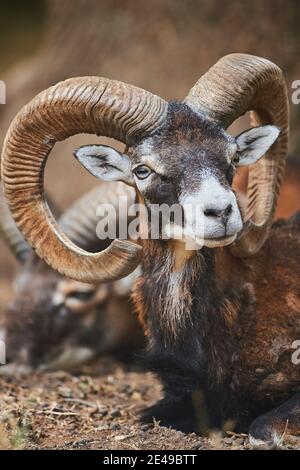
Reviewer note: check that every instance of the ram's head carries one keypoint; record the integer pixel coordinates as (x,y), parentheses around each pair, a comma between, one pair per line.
(177,152)
(188,163)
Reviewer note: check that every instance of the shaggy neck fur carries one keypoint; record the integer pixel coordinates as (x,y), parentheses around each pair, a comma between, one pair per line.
(175,301)
(190,309)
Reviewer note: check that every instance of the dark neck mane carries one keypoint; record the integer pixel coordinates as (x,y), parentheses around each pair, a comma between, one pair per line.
(190,308)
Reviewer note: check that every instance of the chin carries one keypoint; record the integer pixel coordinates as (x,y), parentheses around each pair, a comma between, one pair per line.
(195,242)
(219,242)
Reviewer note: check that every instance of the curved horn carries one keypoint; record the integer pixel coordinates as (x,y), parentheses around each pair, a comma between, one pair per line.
(11,233)
(238,83)
(80,220)
(87,104)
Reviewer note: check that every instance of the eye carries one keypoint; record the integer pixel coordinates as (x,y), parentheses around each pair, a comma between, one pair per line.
(235,159)
(142,172)
(84,296)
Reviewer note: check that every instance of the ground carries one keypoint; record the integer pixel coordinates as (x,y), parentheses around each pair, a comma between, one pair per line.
(96,408)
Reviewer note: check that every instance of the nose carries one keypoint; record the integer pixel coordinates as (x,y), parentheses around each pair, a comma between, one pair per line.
(219,213)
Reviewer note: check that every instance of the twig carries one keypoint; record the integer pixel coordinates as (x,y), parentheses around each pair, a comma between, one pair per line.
(57,413)
(234,434)
(283,434)
(82,402)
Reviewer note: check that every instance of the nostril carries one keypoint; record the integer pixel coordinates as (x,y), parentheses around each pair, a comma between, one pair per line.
(218,213)
(212,213)
(228,210)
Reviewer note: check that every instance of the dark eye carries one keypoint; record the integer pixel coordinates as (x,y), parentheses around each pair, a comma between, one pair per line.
(236,159)
(83,296)
(142,172)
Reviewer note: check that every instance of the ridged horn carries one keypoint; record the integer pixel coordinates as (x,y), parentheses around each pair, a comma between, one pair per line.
(10,232)
(79,222)
(238,83)
(80,105)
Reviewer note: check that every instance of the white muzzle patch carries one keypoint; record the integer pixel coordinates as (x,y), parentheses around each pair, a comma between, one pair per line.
(211,215)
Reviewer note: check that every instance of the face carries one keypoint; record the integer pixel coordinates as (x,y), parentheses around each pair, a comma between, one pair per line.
(56,323)
(189,162)
(50,315)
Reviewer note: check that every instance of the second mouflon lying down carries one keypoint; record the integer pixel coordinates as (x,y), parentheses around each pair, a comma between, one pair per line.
(57,323)
(223,317)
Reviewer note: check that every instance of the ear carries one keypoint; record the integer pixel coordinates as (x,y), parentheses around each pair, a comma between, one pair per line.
(105,163)
(254,143)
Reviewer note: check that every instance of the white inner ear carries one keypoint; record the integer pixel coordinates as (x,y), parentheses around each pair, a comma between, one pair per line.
(105,163)
(254,143)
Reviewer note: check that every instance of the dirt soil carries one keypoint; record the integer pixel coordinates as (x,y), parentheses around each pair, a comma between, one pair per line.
(96,408)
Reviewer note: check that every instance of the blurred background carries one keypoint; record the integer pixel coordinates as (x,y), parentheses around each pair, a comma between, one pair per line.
(160,45)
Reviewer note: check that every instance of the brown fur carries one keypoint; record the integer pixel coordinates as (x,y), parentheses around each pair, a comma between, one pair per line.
(246,337)
(230,325)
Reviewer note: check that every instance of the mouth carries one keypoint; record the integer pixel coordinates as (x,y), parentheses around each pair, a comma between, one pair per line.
(194,242)
(219,242)
(216,242)
(13,370)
